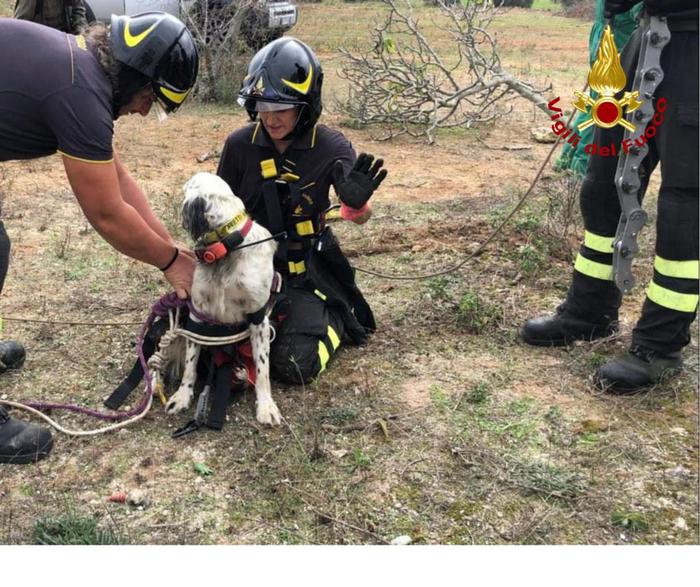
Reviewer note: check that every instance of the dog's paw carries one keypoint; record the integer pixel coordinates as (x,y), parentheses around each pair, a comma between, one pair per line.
(179,401)
(268,413)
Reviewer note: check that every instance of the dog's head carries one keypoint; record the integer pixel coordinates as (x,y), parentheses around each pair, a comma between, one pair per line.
(209,203)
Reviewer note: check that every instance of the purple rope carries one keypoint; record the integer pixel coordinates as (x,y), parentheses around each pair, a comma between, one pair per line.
(159,309)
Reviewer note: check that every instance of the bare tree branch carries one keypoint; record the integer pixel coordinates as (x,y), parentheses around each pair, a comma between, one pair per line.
(405,86)
(215,28)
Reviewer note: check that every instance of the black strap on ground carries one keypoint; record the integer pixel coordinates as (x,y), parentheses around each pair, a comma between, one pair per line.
(124,389)
(221,393)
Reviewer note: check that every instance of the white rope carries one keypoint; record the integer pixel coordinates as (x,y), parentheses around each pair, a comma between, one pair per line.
(70,432)
(156,363)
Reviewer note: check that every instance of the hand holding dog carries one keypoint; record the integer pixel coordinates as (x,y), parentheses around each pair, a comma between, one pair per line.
(357,187)
(180,275)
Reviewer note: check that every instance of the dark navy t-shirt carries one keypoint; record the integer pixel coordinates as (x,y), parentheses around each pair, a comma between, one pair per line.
(54,95)
(311,157)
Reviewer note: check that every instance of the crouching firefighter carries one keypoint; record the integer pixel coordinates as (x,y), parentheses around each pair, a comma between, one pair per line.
(282,166)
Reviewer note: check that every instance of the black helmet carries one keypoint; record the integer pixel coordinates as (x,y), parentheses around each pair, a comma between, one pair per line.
(160,48)
(284,72)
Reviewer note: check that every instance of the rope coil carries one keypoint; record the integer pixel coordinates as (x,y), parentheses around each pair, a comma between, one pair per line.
(168,305)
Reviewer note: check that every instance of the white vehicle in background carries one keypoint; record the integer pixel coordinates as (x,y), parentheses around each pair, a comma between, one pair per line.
(265,21)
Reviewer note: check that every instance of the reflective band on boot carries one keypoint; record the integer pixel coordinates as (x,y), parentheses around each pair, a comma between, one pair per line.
(672,299)
(593,268)
(679,269)
(595,242)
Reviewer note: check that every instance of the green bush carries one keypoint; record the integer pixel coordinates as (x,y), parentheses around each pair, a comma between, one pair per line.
(476,314)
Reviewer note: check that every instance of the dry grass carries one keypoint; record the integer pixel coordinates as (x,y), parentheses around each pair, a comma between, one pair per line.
(444,427)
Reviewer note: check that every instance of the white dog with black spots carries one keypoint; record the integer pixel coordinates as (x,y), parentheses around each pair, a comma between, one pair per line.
(229,289)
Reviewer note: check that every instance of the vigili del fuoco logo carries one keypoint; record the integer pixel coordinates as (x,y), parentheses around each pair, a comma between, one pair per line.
(607,78)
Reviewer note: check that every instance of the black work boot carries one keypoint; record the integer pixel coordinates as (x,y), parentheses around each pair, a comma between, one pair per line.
(11,355)
(563,328)
(22,443)
(639,368)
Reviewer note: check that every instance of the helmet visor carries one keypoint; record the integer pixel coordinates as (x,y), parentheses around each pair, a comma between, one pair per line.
(262,106)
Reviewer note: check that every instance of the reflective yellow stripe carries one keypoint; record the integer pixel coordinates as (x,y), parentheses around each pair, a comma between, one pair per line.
(255,132)
(305,228)
(320,294)
(323,356)
(333,335)
(593,269)
(672,299)
(602,244)
(682,269)
(225,230)
(302,87)
(268,168)
(289,177)
(67,156)
(296,267)
(133,40)
(177,97)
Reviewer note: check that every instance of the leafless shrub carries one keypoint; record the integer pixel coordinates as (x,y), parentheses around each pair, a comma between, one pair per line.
(407,87)
(216,27)
(563,220)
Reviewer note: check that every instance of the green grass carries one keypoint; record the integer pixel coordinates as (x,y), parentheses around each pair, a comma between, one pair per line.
(72,528)
(630,520)
(546,5)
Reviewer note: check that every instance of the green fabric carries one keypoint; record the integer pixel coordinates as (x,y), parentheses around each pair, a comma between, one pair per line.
(623,25)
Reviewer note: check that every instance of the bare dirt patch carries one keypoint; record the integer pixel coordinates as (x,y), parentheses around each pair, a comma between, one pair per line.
(444,426)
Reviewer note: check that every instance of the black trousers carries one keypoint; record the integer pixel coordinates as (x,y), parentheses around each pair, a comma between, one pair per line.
(4,254)
(308,334)
(671,303)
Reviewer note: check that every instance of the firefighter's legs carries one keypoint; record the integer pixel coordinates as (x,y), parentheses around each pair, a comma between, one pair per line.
(11,352)
(670,306)
(308,334)
(20,443)
(590,310)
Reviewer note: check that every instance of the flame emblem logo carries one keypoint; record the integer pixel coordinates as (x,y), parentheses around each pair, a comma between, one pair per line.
(607,78)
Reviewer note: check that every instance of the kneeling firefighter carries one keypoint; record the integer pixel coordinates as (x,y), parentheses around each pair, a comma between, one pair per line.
(282,166)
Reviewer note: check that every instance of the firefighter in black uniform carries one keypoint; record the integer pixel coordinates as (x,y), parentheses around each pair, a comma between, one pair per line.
(282,167)
(590,310)
(62,96)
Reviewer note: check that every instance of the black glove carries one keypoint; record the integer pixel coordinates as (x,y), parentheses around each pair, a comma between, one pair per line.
(614,7)
(355,188)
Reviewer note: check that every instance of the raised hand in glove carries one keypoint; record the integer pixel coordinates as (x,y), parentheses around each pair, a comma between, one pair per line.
(355,188)
(614,7)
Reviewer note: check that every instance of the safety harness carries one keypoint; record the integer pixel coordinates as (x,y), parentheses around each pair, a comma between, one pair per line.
(293,217)
(627,176)
(231,351)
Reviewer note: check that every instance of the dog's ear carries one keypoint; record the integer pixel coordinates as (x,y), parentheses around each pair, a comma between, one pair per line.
(194,217)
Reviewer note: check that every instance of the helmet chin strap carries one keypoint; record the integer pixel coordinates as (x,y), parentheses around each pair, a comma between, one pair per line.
(295,131)
(161,113)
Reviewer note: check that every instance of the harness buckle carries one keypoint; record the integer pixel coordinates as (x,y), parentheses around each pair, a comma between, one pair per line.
(188,428)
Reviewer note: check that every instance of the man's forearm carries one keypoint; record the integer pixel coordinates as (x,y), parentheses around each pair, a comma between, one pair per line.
(127,231)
